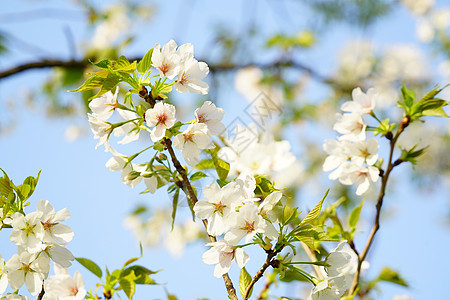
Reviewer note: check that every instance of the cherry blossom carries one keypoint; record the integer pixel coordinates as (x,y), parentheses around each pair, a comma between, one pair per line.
(162,116)
(351,126)
(194,138)
(29,269)
(211,115)
(103,107)
(54,231)
(189,78)
(218,206)
(63,286)
(166,60)
(3,276)
(28,231)
(221,254)
(362,103)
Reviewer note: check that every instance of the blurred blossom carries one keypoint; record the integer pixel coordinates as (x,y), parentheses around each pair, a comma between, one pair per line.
(248,83)
(403,62)
(356,61)
(74,132)
(107,32)
(419,7)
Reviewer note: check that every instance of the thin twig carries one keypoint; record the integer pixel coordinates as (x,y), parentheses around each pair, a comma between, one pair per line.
(190,194)
(265,290)
(41,294)
(312,257)
(376,225)
(269,262)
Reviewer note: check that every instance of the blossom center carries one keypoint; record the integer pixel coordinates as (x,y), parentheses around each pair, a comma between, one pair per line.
(218,207)
(201,118)
(164,68)
(188,136)
(73,291)
(249,226)
(162,118)
(47,225)
(183,79)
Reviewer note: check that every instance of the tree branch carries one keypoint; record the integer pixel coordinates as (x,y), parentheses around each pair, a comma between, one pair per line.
(362,256)
(190,194)
(221,67)
(269,262)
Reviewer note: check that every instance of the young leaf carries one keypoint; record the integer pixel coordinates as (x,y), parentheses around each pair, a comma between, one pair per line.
(128,286)
(90,83)
(389,275)
(244,282)
(90,265)
(175,205)
(354,215)
(408,98)
(314,213)
(146,62)
(197,175)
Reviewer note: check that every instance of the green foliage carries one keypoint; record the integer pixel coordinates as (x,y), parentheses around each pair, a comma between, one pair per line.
(222,167)
(390,275)
(264,186)
(146,62)
(411,155)
(428,105)
(384,128)
(244,281)
(354,216)
(90,265)
(124,279)
(13,198)
(304,39)
(314,213)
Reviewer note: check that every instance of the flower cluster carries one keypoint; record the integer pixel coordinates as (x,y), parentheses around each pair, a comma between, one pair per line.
(234,211)
(250,152)
(40,237)
(338,276)
(351,156)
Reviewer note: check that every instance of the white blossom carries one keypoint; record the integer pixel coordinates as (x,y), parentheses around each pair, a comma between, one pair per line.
(54,231)
(166,60)
(62,286)
(211,115)
(362,151)
(129,130)
(218,206)
(3,276)
(190,75)
(28,231)
(245,223)
(101,130)
(361,175)
(162,116)
(60,255)
(103,107)
(362,103)
(194,138)
(29,269)
(351,126)
(221,254)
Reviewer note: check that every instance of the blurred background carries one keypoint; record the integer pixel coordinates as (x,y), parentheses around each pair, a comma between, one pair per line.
(306,56)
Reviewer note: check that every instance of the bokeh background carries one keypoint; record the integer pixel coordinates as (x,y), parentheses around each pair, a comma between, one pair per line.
(306,56)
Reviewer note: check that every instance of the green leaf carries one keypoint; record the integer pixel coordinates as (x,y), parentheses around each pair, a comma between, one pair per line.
(411,155)
(140,273)
(146,62)
(390,275)
(221,166)
(128,286)
(90,265)
(408,97)
(103,64)
(175,205)
(197,175)
(244,281)
(32,182)
(6,186)
(205,164)
(90,83)
(314,213)
(289,214)
(109,84)
(354,215)
(435,112)
(383,128)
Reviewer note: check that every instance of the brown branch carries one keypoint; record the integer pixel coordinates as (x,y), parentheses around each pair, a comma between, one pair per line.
(265,290)
(190,194)
(269,262)
(41,294)
(362,256)
(221,67)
